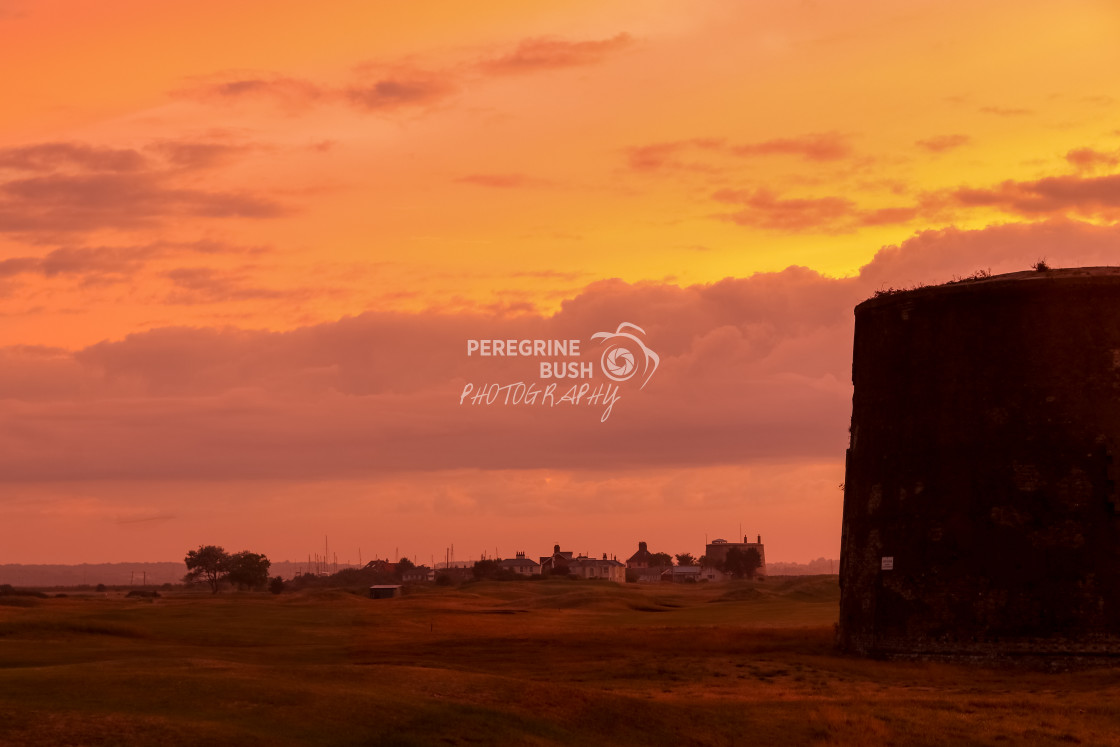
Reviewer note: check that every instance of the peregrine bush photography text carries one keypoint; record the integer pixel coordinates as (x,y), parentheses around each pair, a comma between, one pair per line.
(623,356)
(559,373)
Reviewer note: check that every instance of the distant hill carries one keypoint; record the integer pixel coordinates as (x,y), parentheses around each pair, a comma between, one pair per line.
(116,574)
(110,574)
(812,568)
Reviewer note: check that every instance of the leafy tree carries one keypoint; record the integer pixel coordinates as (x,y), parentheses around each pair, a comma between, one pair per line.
(660,560)
(209,563)
(276,585)
(733,563)
(739,563)
(753,561)
(403,566)
(486,569)
(685,558)
(706,562)
(248,570)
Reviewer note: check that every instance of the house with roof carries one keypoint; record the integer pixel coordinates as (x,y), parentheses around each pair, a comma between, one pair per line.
(521,565)
(716,552)
(682,574)
(455,572)
(643,567)
(609,569)
(711,573)
(643,558)
(549,563)
(419,575)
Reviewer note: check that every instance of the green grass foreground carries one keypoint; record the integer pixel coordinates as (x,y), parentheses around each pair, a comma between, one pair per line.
(555,662)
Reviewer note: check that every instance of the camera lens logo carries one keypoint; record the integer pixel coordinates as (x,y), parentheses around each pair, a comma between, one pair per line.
(624,353)
(620,362)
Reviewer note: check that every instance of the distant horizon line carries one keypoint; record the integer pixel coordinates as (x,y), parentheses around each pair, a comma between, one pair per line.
(305,562)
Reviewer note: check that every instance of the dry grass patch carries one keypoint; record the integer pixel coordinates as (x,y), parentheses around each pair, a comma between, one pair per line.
(546,663)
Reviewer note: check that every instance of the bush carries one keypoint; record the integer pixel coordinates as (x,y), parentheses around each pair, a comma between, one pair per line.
(7,590)
(276,585)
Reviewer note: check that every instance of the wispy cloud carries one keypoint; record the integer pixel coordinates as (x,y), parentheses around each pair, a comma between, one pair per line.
(1066,196)
(205,285)
(695,154)
(829,146)
(546,53)
(1089,159)
(71,155)
(762,208)
(942,143)
(401,90)
(58,202)
(288,92)
(1005,111)
(113,263)
(392,86)
(64,187)
(1052,196)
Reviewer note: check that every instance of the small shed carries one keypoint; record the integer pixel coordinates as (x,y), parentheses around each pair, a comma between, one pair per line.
(384,591)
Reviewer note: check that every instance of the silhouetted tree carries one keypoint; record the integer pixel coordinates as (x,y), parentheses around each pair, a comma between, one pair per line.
(753,561)
(486,569)
(248,570)
(685,558)
(209,563)
(739,563)
(660,560)
(276,585)
(403,565)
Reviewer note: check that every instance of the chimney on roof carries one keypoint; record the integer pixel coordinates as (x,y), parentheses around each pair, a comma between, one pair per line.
(521,554)
(746,540)
(642,547)
(556,549)
(604,556)
(760,539)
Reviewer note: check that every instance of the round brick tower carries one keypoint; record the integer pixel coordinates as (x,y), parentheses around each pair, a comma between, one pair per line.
(981,512)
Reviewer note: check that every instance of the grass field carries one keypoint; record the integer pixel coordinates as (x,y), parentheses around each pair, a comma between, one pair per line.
(542,663)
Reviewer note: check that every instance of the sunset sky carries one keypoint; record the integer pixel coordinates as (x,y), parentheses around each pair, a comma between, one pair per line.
(243,245)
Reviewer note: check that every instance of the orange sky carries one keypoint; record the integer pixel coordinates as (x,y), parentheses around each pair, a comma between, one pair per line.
(242,245)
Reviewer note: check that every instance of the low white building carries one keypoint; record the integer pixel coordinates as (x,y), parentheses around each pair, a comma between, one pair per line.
(605,568)
(682,574)
(521,565)
(419,575)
